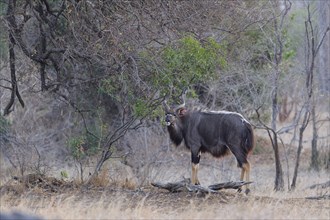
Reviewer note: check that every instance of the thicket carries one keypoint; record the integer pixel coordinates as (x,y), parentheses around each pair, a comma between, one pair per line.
(114,62)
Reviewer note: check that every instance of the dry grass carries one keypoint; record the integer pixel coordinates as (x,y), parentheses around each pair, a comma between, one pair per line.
(112,197)
(123,205)
(150,203)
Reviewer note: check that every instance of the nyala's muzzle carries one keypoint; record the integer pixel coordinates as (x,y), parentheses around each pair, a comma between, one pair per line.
(169,119)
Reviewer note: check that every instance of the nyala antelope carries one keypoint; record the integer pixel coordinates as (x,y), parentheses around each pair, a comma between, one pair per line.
(214,132)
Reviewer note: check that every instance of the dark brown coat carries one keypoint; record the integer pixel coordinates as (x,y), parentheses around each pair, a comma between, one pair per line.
(215,132)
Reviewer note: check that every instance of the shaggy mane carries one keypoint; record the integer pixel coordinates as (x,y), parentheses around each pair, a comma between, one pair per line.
(175,134)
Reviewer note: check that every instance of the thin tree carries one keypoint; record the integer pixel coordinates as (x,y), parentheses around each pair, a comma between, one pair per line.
(277,43)
(10,17)
(311,51)
(322,70)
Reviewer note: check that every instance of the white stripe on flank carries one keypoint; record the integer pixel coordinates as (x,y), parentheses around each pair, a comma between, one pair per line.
(226,112)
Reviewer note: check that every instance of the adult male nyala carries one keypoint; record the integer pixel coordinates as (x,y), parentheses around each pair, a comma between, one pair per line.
(213,132)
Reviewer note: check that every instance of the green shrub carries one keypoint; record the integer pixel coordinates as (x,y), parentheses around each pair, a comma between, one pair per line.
(4,128)
(82,147)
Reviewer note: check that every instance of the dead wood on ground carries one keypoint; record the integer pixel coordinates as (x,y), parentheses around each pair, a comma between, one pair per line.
(185,185)
(325,197)
(320,185)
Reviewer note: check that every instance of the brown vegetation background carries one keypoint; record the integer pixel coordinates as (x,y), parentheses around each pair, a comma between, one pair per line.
(81,126)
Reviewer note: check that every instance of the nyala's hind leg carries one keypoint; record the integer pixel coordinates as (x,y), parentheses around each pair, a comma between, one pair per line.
(245,171)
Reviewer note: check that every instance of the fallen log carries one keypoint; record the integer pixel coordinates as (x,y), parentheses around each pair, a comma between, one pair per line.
(172,187)
(320,185)
(185,185)
(229,185)
(325,197)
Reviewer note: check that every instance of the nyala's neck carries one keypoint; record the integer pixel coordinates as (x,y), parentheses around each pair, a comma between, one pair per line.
(175,134)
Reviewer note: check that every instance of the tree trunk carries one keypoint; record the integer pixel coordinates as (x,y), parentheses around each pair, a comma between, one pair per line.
(324,57)
(81,172)
(12,60)
(279,182)
(300,147)
(106,154)
(315,153)
(42,50)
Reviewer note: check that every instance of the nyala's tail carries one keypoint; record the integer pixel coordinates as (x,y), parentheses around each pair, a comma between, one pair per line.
(249,138)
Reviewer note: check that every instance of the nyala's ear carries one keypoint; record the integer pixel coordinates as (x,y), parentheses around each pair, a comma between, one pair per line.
(182,112)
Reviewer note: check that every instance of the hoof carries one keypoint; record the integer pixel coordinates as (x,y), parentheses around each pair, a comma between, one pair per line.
(239,190)
(247,191)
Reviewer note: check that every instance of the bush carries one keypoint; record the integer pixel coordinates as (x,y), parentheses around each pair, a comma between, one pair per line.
(4,129)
